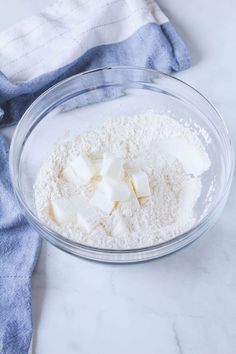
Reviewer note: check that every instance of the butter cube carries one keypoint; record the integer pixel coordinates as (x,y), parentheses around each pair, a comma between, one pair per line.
(112,167)
(133,197)
(65,209)
(115,191)
(100,201)
(87,216)
(69,175)
(141,184)
(83,168)
(108,155)
(97,166)
(74,210)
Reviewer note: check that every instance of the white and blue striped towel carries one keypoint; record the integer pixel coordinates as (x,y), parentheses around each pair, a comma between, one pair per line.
(73,36)
(69,37)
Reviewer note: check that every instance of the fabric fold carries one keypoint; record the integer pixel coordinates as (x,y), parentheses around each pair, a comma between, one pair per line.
(73,36)
(19,249)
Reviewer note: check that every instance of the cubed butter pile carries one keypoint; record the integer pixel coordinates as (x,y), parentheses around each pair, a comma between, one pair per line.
(113,186)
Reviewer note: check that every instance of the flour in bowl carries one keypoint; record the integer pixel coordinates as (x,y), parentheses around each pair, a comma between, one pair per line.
(170,155)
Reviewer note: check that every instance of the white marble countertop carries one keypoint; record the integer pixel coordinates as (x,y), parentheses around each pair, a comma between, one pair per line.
(181,304)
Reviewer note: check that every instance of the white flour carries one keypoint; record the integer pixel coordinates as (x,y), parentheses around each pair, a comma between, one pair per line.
(172,156)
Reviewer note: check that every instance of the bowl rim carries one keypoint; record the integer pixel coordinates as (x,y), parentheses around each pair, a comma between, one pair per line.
(63,240)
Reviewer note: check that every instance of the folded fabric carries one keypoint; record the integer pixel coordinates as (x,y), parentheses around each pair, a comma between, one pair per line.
(69,37)
(19,247)
(73,36)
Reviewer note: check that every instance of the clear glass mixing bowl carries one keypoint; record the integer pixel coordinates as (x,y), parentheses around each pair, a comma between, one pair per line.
(93,97)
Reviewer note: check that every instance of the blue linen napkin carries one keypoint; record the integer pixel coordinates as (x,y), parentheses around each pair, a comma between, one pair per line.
(19,247)
(151,41)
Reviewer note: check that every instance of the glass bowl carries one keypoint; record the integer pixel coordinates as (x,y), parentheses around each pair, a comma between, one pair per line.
(96,96)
